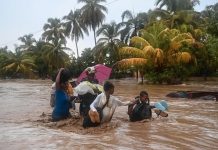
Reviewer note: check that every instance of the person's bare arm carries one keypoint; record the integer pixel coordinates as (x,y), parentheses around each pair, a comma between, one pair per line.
(120,103)
(57,81)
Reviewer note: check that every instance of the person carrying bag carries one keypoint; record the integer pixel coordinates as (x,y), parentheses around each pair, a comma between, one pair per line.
(103,107)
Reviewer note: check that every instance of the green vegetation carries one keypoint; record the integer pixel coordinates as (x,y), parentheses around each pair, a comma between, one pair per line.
(163,45)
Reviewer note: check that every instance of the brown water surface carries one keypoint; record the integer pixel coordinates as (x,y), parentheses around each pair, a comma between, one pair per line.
(192,124)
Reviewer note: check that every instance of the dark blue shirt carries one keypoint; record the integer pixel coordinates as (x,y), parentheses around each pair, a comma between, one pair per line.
(62,106)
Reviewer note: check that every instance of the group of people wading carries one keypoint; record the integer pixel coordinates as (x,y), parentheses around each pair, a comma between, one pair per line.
(97,103)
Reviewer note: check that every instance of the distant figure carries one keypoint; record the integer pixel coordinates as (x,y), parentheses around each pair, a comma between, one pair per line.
(62,100)
(103,107)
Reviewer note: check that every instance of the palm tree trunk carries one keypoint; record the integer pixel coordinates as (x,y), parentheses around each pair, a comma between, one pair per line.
(137,74)
(142,76)
(77,51)
(94,36)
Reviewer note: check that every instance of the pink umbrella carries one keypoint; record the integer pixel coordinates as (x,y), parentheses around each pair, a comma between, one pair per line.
(102,73)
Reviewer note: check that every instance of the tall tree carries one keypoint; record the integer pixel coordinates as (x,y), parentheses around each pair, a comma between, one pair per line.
(28,42)
(211,16)
(75,27)
(107,46)
(3,57)
(177,5)
(157,48)
(93,14)
(55,56)
(18,63)
(54,32)
(132,24)
(40,61)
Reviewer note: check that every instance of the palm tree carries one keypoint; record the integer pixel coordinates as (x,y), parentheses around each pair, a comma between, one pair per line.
(157,48)
(132,24)
(107,45)
(184,20)
(93,14)
(17,63)
(54,31)
(55,56)
(4,49)
(42,66)
(3,57)
(211,16)
(28,42)
(75,27)
(87,58)
(177,5)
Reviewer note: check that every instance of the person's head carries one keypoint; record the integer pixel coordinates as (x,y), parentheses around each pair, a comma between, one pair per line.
(90,72)
(144,96)
(64,78)
(108,87)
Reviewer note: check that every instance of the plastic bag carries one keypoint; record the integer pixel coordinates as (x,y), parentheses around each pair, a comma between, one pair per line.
(84,88)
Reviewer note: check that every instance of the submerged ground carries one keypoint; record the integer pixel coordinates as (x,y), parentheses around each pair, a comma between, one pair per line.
(25,124)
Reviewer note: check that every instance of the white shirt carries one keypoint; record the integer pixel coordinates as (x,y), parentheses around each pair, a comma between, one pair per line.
(109,109)
(53,88)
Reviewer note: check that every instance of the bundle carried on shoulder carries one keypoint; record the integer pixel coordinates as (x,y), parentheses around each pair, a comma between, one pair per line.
(87,87)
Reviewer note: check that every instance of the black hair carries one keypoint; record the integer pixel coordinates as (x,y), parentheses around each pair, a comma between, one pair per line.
(108,85)
(65,76)
(142,93)
(73,84)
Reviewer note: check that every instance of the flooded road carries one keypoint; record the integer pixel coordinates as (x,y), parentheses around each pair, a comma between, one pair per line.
(192,124)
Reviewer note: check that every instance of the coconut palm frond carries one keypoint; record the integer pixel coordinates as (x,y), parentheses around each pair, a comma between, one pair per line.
(162,33)
(180,57)
(139,42)
(149,37)
(182,36)
(198,33)
(131,62)
(132,51)
(180,40)
(159,58)
(198,45)
(28,62)
(10,66)
(127,14)
(184,57)
(149,51)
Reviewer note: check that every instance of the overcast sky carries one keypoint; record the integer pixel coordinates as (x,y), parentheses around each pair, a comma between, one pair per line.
(20,17)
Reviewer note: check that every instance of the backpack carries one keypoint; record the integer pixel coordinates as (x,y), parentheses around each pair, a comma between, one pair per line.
(139,111)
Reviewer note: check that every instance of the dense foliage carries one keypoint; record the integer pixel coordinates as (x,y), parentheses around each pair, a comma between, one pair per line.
(163,45)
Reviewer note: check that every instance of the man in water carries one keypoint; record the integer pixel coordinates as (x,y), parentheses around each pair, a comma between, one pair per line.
(140,109)
(103,107)
(88,98)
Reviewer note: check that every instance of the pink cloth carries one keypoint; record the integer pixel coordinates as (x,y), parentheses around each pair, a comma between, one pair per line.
(102,73)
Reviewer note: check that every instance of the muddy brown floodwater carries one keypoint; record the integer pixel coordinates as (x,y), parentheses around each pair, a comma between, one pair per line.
(25,124)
